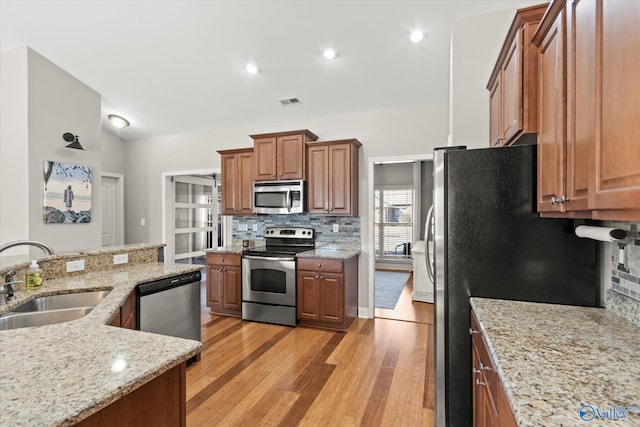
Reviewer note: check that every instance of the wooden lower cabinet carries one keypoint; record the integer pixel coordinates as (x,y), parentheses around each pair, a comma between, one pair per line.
(490,405)
(224,293)
(160,402)
(126,315)
(327,292)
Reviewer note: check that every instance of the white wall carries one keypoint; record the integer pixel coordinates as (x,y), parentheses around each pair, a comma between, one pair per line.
(390,132)
(112,154)
(475,45)
(14,177)
(56,103)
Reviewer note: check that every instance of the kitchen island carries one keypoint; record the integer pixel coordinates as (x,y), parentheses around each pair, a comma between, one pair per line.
(555,361)
(64,373)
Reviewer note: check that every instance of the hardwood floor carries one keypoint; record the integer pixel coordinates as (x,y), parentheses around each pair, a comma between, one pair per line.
(379,373)
(407,309)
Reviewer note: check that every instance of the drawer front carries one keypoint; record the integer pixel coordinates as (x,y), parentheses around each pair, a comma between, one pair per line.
(223,259)
(320,264)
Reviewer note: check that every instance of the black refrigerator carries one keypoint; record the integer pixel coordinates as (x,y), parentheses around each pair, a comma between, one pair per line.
(490,242)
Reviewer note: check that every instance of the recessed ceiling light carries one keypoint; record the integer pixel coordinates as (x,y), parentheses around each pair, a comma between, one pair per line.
(416,36)
(251,68)
(118,121)
(329,53)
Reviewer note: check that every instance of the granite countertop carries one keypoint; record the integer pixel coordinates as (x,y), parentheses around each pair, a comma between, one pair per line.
(331,250)
(231,249)
(12,262)
(555,359)
(60,374)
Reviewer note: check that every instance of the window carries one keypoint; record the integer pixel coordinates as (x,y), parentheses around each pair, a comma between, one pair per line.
(393,221)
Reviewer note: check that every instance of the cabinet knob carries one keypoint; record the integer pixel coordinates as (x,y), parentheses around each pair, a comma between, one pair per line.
(222,260)
(331,210)
(319,265)
(478,382)
(317,276)
(280,174)
(475,371)
(554,200)
(564,199)
(471,332)
(273,175)
(484,367)
(321,277)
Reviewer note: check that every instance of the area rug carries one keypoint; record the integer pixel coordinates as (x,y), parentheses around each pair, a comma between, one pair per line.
(388,288)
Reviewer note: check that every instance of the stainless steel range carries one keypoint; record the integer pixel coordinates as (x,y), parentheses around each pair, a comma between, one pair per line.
(269,275)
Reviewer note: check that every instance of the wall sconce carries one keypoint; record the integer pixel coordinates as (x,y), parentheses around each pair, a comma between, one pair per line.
(73,139)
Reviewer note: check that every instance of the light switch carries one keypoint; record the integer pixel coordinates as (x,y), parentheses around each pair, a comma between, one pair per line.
(255,227)
(242,227)
(336,228)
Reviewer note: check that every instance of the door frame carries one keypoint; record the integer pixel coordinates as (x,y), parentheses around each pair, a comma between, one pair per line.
(370,310)
(166,176)
(120,197)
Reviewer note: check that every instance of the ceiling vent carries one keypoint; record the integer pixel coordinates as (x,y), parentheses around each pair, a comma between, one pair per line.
(290,100)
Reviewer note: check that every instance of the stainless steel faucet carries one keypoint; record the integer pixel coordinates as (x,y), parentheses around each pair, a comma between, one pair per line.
(45,248)
(8,288)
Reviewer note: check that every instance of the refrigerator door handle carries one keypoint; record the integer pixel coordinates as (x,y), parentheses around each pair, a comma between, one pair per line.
(426,244)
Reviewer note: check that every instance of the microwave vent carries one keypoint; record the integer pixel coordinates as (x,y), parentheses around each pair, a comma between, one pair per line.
(290,100)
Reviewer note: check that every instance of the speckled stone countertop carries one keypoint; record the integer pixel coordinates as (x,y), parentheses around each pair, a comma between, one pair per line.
(8,262)
(60,374)
(232,249)
(332,250)
(553,359)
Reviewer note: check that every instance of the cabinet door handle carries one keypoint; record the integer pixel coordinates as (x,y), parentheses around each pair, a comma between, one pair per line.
(485,367)
(478,382)
(475,371)
(564,199)
(554,200)
(471,332)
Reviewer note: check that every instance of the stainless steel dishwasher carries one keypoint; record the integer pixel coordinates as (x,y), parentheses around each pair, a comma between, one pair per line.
(170,306)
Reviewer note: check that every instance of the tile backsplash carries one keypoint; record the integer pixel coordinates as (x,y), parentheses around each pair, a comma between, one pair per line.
(624,296)
(349,227)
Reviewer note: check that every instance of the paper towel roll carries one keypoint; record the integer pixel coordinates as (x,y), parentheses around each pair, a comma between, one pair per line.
(604,234)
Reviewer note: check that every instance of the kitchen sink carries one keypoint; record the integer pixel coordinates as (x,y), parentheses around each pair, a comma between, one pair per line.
(62,301)
(14,320)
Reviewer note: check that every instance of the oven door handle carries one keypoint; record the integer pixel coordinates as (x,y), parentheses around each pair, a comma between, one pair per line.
(268,258)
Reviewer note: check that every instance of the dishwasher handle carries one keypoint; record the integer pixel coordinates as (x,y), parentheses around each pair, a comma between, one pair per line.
(168,283)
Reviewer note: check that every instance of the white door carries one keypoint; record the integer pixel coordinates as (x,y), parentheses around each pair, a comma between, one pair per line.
(193,218)
(111,211)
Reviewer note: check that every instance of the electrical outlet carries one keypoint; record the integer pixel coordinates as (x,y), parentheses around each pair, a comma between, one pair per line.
(336,228)
(242,227)
(255,227)
(121,259)
(75,266)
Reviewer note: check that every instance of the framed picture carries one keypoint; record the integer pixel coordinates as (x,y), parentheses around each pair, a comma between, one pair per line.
(67,193)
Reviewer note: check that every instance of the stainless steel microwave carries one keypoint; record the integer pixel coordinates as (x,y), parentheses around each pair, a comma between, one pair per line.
(279,197)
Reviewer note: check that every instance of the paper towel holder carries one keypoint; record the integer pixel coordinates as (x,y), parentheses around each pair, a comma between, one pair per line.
(603,234)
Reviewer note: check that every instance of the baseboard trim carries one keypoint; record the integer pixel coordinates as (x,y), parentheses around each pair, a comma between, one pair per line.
(422,297)
(363,313)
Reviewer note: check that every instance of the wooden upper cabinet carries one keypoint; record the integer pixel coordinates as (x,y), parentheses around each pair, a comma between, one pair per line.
(616,183)
(281,156)
(599,170)
(513,85)
(333,177)
(581,102)
(237,181)
(551,127)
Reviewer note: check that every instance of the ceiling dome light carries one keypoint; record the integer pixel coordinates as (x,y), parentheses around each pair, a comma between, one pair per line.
(329,53)
(117,121)
(252,69)
(416,36)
